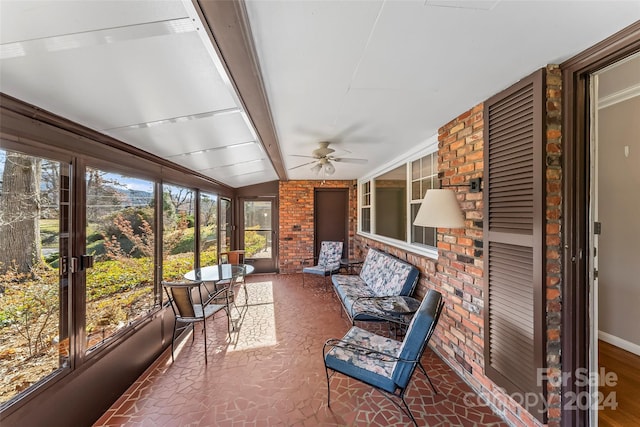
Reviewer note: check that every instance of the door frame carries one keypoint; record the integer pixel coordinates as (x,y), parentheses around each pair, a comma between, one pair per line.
(577,236)
(260,267)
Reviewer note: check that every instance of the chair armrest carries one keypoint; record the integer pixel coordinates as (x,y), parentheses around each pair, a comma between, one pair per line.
(217,295)
(304,260)
(360,306)
(366,351)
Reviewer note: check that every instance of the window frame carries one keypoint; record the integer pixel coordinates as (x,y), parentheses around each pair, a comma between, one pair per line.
(428,147)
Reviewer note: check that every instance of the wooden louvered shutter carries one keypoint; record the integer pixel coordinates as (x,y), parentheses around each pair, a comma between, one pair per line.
(513,237)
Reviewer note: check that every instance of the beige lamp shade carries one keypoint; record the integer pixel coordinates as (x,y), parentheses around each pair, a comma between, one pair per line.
(440,209)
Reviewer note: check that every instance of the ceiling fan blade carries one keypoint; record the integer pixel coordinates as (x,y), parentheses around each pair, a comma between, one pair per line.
(300,155)
(349,160)
(304,164)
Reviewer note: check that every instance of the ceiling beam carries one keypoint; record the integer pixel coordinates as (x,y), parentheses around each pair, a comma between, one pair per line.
(228,27)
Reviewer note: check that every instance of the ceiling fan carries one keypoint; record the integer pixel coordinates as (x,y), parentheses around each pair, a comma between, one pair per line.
(323,158)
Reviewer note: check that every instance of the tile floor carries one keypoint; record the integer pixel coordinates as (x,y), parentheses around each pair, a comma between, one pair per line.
(270,373)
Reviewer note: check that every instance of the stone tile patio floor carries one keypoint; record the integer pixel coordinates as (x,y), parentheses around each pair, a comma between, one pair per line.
(270,373)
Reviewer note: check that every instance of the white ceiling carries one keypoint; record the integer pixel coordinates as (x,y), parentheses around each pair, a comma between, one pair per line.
(374,77)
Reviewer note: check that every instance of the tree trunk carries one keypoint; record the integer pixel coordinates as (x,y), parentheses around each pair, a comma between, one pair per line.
(20,213)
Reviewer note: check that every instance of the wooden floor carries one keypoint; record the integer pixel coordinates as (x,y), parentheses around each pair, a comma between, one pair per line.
(626,366)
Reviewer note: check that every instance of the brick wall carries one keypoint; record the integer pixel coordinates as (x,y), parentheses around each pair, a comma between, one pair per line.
(553,211)
(459,271)
(297,221)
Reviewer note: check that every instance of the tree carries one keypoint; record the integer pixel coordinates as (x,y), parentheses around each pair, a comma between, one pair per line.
(20,213)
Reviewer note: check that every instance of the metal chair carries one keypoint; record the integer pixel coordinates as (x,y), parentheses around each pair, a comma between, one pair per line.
(232,257)
(236,257)
(328,260)
(191,305)
(381,362)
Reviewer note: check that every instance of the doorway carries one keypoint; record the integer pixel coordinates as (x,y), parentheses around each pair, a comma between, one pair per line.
(578,329)
(614,208)
(258,233)
(331,217)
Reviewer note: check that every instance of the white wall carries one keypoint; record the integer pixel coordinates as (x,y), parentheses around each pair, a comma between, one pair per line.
(619,213)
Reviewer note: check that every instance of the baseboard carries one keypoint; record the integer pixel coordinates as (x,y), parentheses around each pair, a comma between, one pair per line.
(619,342)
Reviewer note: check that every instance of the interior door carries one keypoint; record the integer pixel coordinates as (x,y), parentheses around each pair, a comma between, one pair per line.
(258,233)
(331,217)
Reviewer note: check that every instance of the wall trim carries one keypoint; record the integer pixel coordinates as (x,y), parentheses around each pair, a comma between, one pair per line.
(619,342)
(620,96)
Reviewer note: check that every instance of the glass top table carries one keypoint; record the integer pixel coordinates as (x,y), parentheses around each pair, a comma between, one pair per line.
(216,273)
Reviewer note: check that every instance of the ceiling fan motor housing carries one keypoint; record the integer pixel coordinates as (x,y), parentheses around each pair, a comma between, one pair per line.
(323,150)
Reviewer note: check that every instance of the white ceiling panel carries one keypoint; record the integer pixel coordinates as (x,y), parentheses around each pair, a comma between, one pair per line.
(247,172)
(118,84)
(190,136)
(222,156)
(30,19)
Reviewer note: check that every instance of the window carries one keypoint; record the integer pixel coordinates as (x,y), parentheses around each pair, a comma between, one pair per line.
(120,238)
(208,229)
(365,207)
(178,244)
(389,203)
(225,225)
(34,234)
(81,240)
(424,176)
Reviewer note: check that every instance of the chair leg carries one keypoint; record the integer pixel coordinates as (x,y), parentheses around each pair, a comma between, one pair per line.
(408,411)
(204,328)
(326,370)
(173,339)
(435,390)
(246,294)
(228,312)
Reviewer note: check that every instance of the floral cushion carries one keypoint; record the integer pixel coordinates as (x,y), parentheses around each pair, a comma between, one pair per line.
(384,274)
(370,368)
(330,253)
(381,275)
(349,288)
(328,259)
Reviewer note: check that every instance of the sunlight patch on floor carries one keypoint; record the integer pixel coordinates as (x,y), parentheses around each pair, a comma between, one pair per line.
(254,323)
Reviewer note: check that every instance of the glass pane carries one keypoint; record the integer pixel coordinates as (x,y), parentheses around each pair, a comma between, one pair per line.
(257,229)
(178,247)
(391,203)
(415,170)
(366,193)
(225,225)
(417,233)
(427,166)
(416,193)
(208,229)
(120,221)
(366,220)
(421,235)
(34,221)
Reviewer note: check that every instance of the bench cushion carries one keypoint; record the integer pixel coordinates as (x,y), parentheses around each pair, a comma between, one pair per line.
(350,288)
(381,275)
(387,275)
